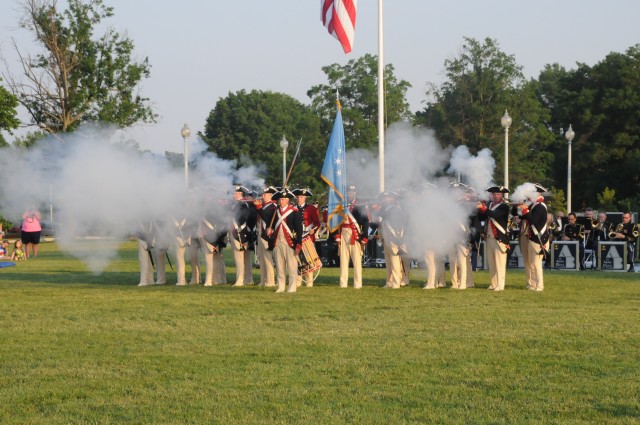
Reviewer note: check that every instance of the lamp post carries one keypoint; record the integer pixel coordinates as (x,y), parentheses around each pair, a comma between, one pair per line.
(570,134)
(186,132)
(284,144)
(506,123)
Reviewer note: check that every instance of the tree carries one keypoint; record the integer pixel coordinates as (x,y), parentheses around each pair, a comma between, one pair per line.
(602,103)
(78,77)
(28,140)
(483,82)
(249,127)
(8,114)
(357,84)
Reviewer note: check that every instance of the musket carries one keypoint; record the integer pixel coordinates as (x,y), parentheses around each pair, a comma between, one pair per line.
(295,157)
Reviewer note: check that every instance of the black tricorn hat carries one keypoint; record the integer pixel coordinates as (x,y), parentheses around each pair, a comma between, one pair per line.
(387,194)
(269,189)
(284,193)
(351,188)
(302,192)
(497,189)
(539,188)
(241,188)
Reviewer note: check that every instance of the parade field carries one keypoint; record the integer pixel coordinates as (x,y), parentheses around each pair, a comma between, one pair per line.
(76,347)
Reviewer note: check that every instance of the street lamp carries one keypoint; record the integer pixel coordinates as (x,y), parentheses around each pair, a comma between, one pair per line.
(284,144)
(185,132)
(506,123)
(570,134)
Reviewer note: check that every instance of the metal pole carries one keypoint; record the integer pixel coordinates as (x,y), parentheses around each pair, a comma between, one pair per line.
(380,98)
(569,181)
(506,157)
(284,166)
(186,163)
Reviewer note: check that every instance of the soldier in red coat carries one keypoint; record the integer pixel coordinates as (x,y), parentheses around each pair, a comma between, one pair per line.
(286,231)
(352,239)
(310,226)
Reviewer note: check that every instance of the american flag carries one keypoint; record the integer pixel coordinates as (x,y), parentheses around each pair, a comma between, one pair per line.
(339,17)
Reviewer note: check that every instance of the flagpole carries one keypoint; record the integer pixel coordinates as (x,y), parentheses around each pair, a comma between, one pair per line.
(380,98)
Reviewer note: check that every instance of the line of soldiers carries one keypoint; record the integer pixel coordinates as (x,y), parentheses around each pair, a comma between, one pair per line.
(272,227)
(277,230)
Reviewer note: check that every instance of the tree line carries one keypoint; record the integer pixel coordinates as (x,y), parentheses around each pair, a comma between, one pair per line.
(94,78)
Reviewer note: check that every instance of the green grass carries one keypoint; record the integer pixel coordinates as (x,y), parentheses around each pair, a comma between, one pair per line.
(82,348)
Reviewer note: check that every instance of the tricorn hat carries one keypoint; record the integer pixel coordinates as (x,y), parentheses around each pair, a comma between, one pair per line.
(240,188)
(269,189)
(284,193)
(497,189)
(351,188)
(539,188)
(387,194)
(302,192)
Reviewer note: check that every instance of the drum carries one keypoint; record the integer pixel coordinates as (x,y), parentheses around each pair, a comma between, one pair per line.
(308,259)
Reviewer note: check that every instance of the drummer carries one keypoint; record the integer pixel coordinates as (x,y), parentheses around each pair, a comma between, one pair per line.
(310,226)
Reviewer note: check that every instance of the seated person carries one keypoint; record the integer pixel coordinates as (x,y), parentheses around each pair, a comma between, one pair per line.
(4,249)
(18,252)
(574,231)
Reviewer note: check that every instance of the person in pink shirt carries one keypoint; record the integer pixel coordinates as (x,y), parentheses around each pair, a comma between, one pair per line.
(31,231)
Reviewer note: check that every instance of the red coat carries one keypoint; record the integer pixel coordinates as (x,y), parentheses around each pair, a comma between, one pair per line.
(310,219)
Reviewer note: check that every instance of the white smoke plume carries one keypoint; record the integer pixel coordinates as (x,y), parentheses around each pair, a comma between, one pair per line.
(101,188)
(416,163)
(524,192)
(477,171)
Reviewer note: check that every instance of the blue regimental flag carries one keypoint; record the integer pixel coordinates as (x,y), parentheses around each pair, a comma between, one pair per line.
(334,174)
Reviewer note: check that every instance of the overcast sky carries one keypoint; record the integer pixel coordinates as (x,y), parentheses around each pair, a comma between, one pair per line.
(201,50)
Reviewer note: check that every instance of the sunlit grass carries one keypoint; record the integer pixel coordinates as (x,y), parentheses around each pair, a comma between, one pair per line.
(76,347)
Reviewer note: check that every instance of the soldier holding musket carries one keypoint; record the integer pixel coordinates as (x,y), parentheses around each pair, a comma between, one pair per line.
(240,236)
(351,239)
(286,229)
(534,238)
(496,215)
(391,232)
(266,209)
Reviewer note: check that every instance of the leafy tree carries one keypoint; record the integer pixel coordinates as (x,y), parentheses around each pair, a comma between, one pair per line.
(8,114)
(483,82)
(607,200)
(603,105)
(248,127)
(557,201)
(28,140)
(78,77)
(357,84)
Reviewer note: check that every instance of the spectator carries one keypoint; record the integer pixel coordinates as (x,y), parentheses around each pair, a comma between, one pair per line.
(18,252)
(31,231)
(4,249)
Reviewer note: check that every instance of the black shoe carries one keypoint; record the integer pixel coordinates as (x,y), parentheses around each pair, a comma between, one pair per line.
(631,270)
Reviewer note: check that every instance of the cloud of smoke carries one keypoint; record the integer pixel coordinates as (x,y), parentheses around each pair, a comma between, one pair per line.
(416,163)
(99,188)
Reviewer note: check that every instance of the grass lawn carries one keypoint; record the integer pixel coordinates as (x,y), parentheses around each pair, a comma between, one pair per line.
(82,348)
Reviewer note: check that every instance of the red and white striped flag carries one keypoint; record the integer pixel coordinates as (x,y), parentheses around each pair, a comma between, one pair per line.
(339,17)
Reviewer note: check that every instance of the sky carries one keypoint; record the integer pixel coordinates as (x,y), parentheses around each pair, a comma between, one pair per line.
(200,51)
